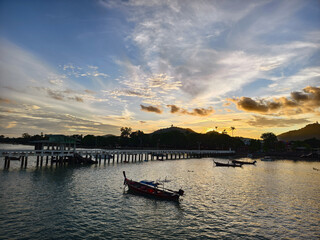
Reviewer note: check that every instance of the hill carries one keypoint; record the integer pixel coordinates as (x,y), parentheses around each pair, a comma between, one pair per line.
(309,131)
(173,129)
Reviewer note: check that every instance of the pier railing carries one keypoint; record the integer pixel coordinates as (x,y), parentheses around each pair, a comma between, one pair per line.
(97,155)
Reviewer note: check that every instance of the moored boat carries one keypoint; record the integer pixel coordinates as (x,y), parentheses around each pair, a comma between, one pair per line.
(267,159)
(152,189)
(244,162)
(220,164)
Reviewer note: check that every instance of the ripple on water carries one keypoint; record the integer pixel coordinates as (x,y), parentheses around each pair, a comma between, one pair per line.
(267,201)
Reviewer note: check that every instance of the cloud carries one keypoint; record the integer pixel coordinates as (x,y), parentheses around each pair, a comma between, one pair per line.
(4,100)
(130,93)
(307,101)
(202,112)
(260,121)
(211,48)
(89,71)
(11,124)
(163,82)
(22,120)
(89,92)
(151,109)
(55,95)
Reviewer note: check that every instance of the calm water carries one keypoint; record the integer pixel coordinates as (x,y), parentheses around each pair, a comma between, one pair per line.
(271,200)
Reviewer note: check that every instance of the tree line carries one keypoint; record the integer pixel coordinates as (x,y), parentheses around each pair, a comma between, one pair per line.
(174,139)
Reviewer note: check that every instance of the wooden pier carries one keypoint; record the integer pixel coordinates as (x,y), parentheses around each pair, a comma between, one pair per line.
(94,156)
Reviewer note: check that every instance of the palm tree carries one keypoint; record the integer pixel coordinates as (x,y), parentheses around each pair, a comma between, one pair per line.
(232,128)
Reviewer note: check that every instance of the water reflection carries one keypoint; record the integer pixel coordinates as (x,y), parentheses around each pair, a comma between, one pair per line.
(270,200)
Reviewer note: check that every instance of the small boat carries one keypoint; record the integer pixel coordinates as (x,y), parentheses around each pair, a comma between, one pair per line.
(244,162)
(267,159)
(152,189)
(220,164)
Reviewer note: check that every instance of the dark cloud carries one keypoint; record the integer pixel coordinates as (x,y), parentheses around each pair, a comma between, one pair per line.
(174,108)
(202,111)
(259,121)
(151,109)
(306,101)
(195,112)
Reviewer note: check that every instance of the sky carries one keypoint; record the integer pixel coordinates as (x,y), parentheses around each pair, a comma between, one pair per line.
(94,66)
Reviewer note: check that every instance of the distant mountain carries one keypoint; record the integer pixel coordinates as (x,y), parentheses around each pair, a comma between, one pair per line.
(174,129)
(109,135)
(309,131)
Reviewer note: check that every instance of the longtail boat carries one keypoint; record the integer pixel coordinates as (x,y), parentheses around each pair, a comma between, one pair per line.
(244,162)
(220,164)
(152,189)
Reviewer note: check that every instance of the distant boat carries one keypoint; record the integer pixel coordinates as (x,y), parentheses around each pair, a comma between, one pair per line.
(151,189)
(267,159)
(220,164)
(244,162)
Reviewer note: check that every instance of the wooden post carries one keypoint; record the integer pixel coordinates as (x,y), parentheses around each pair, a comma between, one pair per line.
(37,160)
(26,162)
(5,162)
(22,161)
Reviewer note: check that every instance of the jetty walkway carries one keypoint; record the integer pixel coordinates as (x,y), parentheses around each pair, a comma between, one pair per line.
(96,156)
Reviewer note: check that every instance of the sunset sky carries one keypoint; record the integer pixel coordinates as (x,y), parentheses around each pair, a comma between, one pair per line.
(92,67)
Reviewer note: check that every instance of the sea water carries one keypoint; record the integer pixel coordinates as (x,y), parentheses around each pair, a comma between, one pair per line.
(269,200)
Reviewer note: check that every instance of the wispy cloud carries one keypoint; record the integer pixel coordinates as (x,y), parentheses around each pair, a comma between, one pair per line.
(173,39)
(260,121)
(89,71)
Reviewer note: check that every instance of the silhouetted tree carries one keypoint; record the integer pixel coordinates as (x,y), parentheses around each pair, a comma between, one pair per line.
(232,129)
(125,132)
(254,145)
(89,141)
(269,141)
(137,138)
(26,135)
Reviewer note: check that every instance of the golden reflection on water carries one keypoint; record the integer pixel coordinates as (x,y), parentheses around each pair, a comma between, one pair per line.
(270,200)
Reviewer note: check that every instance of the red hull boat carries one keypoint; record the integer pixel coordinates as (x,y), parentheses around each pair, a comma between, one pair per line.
(151,189)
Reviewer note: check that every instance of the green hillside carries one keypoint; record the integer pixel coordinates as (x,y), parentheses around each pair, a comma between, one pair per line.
(309,131)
